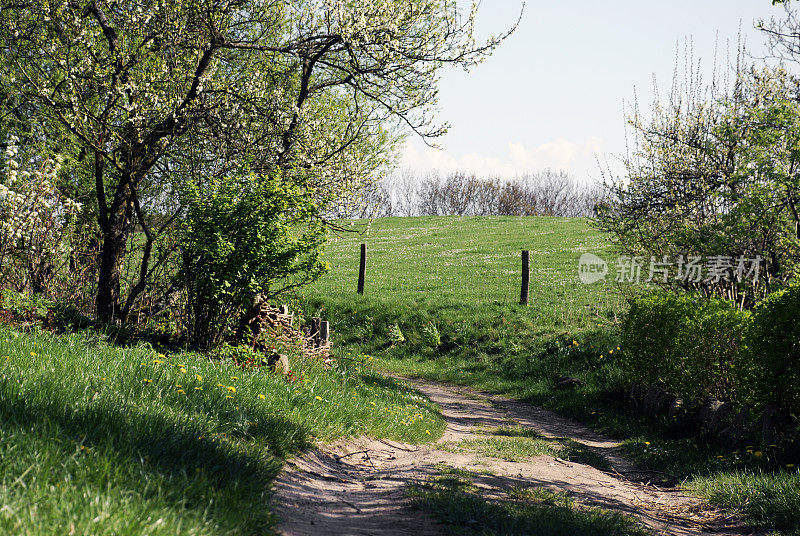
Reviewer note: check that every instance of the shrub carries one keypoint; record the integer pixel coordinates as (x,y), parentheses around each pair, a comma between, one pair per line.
(242,236)
(431,335)
(684,343)
(770,369)
(36,221)
(396,334)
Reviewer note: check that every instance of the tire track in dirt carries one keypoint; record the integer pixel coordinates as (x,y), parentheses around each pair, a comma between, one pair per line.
(357,487)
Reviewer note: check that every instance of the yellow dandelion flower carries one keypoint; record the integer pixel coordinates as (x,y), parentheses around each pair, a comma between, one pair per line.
(228,396)
(147,381)
(199,378)
(318,397)
(198,388)
(428,432)
(231,389)
(262,397)
(758,454)
(161,356)
(34,354)
(181,391)
(157,361)
(234,377)
(183,370)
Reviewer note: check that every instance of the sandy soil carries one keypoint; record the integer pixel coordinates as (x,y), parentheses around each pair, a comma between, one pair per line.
(356,487)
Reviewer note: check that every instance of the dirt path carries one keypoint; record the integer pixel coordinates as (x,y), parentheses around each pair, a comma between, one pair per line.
(357,487)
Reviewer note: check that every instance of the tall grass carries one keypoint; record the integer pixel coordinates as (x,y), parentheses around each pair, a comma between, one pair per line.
(96,439)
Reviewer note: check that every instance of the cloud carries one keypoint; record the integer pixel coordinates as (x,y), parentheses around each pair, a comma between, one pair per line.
(579,158)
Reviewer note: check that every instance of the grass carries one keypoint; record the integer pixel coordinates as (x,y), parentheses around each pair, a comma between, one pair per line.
(454,499)
(764,499)
(462,276)
(97,439)
(519,444)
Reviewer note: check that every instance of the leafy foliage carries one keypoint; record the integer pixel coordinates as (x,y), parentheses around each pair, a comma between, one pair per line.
(36,220)
(243,236)
(712,175)
(684,343)
(158,93)
(771,366)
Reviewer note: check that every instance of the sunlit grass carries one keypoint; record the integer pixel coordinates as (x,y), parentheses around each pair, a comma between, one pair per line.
(97,439)
(770,500)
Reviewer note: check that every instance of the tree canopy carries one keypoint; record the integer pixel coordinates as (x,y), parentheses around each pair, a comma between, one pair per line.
(157,91)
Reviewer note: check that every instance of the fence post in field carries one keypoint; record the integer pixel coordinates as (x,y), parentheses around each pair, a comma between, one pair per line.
(315,324)
(324,333)
(362,269)
(526,277)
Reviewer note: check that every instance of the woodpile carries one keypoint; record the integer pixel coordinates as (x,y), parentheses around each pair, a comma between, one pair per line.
(264,324)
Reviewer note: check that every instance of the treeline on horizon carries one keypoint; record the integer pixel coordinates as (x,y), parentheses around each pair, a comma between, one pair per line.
(458,193)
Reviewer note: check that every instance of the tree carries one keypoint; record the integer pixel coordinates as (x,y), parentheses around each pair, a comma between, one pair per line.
(155,91)
(716,177)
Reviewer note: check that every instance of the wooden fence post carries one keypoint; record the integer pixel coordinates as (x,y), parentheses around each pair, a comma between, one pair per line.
(362,269)
(526,277)
(324,333)
(315,322)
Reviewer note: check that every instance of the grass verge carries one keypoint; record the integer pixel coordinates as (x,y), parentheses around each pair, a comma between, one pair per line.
(519,444)
(97,439)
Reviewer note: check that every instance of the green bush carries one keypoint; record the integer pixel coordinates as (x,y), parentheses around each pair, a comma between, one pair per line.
(24,305)
(245,235)
(431,335)
(684,343)
(770,369)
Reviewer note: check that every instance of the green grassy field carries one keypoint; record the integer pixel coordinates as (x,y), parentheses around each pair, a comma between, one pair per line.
(98,439)
(460,279)
(451,286)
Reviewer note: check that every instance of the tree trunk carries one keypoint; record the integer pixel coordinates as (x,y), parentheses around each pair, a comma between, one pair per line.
(112,253)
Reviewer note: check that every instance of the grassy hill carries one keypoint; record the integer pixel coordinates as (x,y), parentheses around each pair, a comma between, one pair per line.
(460,278)
(451,286)
(441,262)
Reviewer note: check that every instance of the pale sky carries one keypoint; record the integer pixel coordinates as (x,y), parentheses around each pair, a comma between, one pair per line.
(555,94)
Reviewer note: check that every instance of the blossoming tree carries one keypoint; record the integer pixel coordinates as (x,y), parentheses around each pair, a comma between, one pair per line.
(157,89)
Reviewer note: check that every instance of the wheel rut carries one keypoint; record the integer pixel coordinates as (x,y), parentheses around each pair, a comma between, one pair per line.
(359,486)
